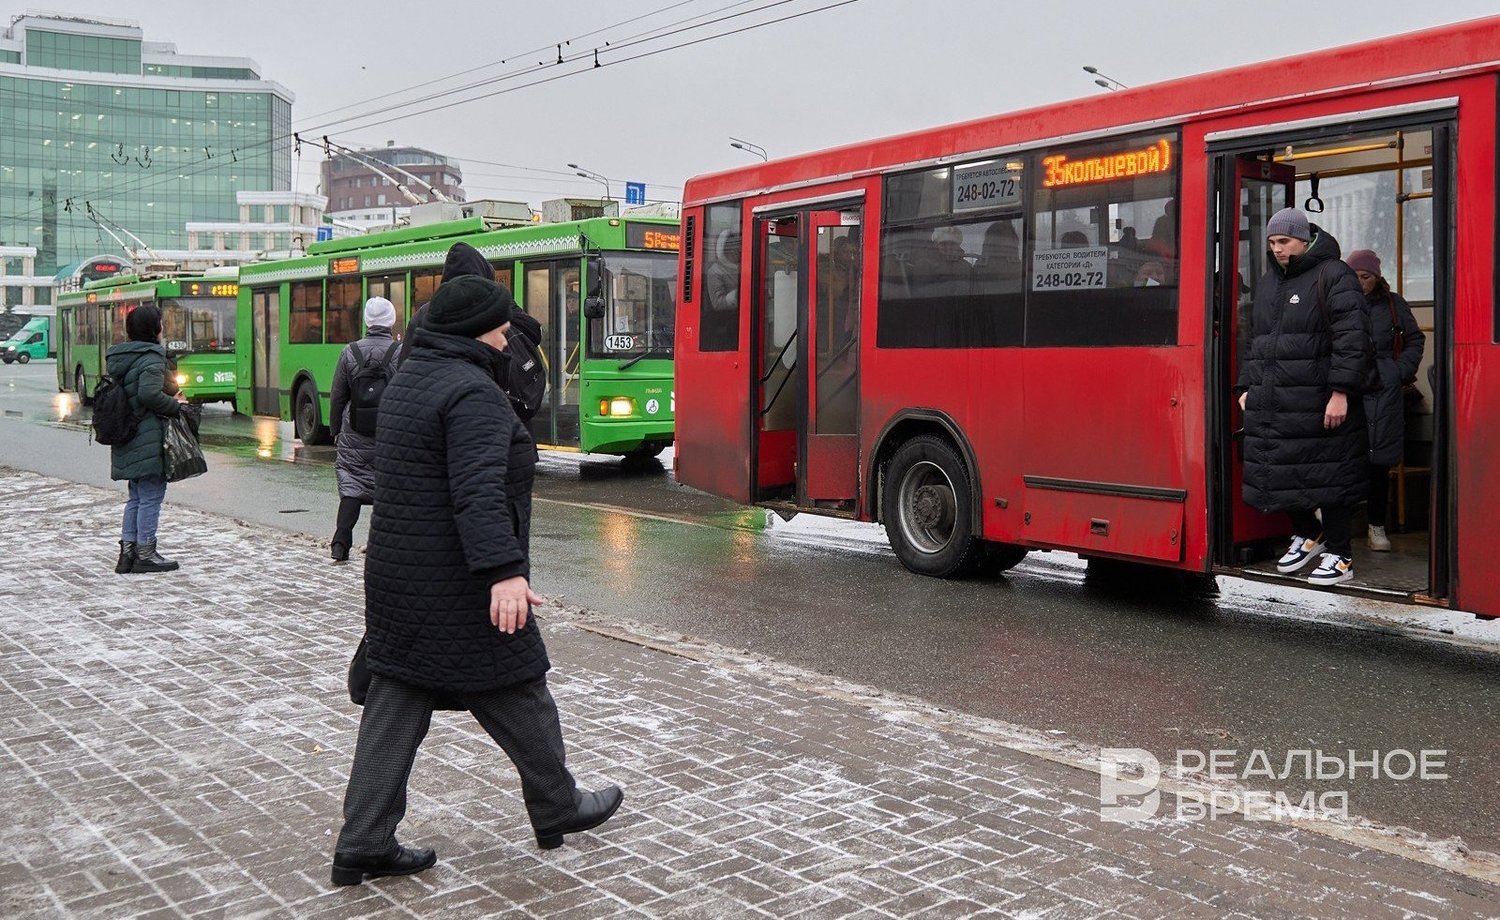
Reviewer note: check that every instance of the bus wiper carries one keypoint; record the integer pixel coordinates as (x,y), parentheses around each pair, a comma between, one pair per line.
(650,352)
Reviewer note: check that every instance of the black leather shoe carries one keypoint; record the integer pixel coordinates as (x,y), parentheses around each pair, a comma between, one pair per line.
(127,557)
(340,552)
(351,870)
(594,808)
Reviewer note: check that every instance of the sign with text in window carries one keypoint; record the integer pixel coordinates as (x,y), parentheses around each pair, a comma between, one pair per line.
(1069,269)
(995,184)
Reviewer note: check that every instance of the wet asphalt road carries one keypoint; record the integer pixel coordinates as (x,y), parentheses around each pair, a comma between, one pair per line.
(1049,646)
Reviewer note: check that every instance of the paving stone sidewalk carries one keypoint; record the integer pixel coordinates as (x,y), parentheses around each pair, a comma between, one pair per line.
(177,746)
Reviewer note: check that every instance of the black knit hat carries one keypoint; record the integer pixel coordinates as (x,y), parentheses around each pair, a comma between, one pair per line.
(468,305)
(464,259)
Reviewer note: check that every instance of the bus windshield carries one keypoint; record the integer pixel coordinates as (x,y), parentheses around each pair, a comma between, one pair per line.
(640,309)
(198,325)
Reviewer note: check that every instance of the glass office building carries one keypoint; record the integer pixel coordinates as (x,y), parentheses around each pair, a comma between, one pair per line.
(100,127)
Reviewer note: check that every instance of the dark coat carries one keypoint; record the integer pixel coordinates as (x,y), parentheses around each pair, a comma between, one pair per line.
(1297,357)
(142,369)
(453,474)
(1385,408)
(354,456)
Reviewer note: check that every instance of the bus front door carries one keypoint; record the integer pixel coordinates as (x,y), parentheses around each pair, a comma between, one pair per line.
(1253,190)
(829,442)
(265,331)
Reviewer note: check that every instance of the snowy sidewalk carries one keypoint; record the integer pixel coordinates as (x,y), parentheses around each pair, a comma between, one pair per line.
(183,752)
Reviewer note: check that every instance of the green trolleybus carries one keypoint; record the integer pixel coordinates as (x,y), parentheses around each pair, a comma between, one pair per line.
(603,290)
(198,329)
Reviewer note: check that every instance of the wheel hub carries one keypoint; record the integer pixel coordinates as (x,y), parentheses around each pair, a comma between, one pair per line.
(929,506)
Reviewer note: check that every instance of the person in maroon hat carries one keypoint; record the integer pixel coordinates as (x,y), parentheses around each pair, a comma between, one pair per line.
(1399,342)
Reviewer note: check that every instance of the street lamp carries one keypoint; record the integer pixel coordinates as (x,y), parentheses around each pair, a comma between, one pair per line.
(752,149)
(1105,80)
(590,174)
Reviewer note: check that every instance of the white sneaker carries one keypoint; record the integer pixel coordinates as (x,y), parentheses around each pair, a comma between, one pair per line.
(1379,542)
(1332,569)
(1300,553)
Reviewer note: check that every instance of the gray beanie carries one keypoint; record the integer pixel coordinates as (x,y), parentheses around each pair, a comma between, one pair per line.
(1289,222)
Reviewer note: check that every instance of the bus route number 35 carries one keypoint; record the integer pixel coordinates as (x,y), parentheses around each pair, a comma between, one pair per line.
(619,342)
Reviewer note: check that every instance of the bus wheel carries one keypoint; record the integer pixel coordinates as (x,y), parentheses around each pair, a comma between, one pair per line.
(644,452)
(23,357)
(80,386)
(927,509)
(306,417)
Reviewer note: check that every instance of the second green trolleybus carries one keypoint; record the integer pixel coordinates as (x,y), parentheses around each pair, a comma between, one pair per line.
(198,329)
(603,290)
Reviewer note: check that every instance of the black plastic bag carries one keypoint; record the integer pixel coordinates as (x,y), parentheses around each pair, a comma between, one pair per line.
(182,458)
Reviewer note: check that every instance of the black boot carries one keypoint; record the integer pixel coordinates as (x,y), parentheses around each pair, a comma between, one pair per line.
(594,808)
(127,557)
(340,551)
(148,560)
(351,870)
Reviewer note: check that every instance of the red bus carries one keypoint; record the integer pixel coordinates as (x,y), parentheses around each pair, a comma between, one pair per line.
(1019,332)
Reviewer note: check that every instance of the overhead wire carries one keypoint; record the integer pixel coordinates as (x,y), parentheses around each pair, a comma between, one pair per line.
(255,149)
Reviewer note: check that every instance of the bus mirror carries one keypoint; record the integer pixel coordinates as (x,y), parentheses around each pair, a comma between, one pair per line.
(593,306)
(596,277)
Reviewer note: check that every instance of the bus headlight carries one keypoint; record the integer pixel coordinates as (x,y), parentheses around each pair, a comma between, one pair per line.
(181,379)
(618,406)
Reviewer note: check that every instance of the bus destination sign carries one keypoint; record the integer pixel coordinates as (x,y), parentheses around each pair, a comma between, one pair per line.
(348,265)
(646,236)
(1062,172)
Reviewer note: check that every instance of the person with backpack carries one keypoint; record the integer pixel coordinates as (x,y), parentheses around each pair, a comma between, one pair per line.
(526,375)
(359,381)
(137,371)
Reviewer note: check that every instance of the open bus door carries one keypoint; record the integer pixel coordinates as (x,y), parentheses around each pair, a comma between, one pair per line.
(807,299)
(1251,192)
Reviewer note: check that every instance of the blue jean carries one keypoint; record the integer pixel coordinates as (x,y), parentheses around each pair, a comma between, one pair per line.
(143,509)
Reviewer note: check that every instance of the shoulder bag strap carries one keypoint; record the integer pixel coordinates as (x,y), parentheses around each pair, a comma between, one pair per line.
(1398,335)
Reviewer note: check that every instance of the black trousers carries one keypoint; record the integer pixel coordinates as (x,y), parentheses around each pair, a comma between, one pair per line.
(523,721)
(1379,494)
(1337,528)
(348,516)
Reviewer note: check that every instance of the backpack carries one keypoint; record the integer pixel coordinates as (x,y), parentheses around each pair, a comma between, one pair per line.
(366,388)
(528,377)
(115,422)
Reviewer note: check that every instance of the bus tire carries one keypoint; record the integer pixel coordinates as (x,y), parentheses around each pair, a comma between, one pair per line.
(307,416)
(645,452)
(80,386)
(23,357)
(927,506)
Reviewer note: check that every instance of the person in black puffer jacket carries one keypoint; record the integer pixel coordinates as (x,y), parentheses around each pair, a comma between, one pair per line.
(140,366)
(1309,360)
(447,593)
(354,457)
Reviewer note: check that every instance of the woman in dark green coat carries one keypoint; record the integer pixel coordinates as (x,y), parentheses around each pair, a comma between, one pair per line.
(140,366)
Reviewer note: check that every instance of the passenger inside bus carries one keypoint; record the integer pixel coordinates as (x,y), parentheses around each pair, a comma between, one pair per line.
(950,272)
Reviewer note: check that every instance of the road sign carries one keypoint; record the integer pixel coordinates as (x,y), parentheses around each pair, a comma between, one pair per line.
(635,193)
(325,233)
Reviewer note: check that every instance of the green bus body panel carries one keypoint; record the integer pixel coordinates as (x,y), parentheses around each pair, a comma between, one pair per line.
(425,248)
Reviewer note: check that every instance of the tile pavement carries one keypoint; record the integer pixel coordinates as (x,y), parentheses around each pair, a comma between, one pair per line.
(177,746)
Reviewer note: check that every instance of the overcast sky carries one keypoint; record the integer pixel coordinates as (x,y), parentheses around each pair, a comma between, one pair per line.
(866,69)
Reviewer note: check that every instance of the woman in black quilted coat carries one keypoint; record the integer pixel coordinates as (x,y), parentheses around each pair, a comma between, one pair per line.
(447,594)
(1309,360)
